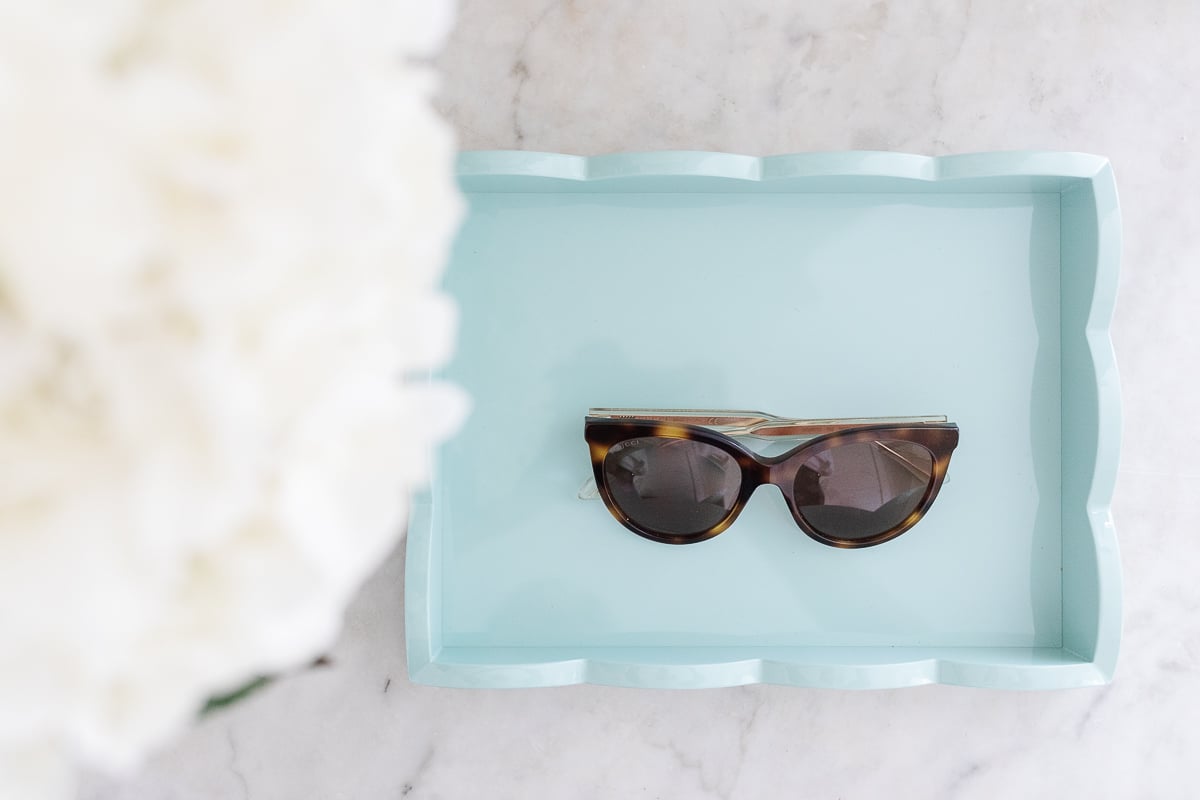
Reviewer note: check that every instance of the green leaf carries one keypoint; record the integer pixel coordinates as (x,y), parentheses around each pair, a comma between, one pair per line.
(220,701)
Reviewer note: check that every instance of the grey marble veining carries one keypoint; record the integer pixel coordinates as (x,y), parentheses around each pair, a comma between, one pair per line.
(762,77)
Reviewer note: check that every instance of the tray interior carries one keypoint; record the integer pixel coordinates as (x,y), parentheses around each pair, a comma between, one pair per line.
(822,298)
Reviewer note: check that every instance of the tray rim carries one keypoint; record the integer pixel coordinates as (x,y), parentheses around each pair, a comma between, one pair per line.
(767,169)
(910,667)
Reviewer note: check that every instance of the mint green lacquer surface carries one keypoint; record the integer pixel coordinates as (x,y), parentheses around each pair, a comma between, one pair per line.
(839,284)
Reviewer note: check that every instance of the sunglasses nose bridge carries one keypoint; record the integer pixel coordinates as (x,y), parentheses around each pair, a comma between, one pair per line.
(779,473)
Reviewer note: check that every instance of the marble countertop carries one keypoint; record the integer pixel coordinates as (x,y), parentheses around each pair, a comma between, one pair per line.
(763,77)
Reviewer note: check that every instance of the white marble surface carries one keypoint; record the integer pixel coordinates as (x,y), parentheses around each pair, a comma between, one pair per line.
(761,77)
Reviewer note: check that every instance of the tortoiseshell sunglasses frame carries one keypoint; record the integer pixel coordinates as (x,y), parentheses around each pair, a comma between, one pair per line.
(604,428)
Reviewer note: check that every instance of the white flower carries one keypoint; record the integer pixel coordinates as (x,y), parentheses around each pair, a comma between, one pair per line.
(221,228)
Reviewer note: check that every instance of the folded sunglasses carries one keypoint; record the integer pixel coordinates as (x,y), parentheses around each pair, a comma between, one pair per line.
(681,476)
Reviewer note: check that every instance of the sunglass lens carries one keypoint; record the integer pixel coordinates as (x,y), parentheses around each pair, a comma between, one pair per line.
(856,491)
(672,486)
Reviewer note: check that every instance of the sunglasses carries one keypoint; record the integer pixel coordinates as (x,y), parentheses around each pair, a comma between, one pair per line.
(682,476)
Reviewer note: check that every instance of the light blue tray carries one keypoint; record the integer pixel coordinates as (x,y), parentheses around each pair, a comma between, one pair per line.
(822,285)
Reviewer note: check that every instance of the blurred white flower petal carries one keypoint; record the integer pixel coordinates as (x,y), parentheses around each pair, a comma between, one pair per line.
(222,226)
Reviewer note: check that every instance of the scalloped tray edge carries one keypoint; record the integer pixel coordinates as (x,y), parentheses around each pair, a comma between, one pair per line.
(732,166)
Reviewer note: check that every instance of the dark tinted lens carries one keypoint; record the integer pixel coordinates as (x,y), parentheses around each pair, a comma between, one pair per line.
(672,485)
(860,490)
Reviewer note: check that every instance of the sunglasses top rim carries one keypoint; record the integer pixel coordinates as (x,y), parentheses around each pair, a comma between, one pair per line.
(752,423)
(704,433)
